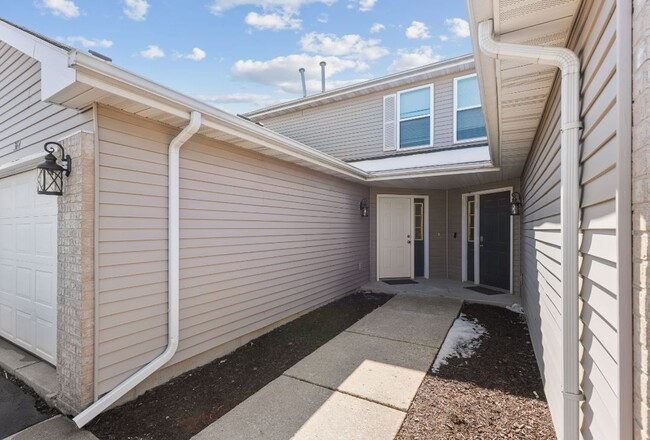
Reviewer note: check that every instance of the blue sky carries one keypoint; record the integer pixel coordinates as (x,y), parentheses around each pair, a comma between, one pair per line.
(244,54)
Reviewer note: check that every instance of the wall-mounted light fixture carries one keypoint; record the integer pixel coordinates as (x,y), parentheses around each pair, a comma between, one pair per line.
(515,204)
(50,173)
(363,207)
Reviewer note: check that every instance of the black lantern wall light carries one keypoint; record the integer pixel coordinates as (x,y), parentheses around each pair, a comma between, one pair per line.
(50,173)
(515,204)
(363,207)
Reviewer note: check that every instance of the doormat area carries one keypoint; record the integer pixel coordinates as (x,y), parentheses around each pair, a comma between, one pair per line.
(484,290)
(397,281)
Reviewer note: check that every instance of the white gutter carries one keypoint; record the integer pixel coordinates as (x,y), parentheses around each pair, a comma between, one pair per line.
(569,65)
(173,290)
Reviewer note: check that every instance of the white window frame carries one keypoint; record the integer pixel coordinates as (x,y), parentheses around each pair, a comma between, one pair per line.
(399,120)
(456,110)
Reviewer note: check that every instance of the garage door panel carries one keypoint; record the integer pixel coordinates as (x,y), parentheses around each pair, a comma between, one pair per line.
(28,260)
(7,328)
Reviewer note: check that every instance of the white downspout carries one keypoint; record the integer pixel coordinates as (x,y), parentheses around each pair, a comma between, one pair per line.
(569,65)
(173,276)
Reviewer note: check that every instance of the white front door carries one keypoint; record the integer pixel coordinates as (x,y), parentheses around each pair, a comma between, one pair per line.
(28,260)
(394,237)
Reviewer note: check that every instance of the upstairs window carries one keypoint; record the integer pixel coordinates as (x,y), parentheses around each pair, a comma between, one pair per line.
(469,124)
(415,127)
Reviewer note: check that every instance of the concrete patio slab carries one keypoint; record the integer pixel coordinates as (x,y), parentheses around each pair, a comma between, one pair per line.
(12,358)
(56,428)
(288,408)
(380,370)
(42,378)
(413,319)
(442,288)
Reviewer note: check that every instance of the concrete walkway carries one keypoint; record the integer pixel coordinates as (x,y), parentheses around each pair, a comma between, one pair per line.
(357,386)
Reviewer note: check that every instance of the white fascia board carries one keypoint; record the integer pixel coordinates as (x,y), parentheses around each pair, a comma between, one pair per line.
(112,79)
(56,74)
(115,80)
(458,156)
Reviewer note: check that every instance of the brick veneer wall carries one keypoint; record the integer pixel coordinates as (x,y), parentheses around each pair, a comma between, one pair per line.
(641,214)
(75,343)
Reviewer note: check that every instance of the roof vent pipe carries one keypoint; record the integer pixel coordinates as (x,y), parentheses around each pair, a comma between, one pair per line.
(569,64)
(322,76)
(302,78)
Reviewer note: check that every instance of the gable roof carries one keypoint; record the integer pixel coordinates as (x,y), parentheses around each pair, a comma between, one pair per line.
(411,76)
(78,80)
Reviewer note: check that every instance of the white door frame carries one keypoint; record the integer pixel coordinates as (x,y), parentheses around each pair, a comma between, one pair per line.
(426,231)
(477,233)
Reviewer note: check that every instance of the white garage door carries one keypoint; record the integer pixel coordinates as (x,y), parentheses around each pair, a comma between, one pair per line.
(28,225)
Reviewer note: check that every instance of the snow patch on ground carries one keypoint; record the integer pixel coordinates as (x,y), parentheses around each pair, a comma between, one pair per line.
(517,308)
(463,339)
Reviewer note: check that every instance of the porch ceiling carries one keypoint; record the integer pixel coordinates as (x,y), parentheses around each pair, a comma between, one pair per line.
(515,93)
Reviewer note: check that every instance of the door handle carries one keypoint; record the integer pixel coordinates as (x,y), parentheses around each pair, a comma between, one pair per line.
(408,241)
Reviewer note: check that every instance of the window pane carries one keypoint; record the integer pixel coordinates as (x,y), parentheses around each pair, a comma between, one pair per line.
(470,124)
(414,103)
(467,93)
(414,133)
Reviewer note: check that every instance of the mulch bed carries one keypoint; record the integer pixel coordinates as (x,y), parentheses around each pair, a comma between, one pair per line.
(495,394)
(188,403)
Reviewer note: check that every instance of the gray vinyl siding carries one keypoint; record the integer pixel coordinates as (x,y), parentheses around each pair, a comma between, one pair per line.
(436,213)
(24,119)
(456,230)
(541,237)
(353,128)
(261,240)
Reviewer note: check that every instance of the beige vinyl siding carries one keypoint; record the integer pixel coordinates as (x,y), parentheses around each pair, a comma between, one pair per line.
(261,240)
(456,230)
(436,213)
(24,119)
(595,41)
(353,128)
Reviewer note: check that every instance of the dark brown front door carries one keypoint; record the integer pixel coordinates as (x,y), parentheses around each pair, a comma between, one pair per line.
(495,240)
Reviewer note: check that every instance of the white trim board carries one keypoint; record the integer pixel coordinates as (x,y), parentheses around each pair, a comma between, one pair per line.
(477,233)
(427,243)
(459,156)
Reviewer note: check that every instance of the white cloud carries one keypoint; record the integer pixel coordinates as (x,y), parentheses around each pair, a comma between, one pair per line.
(136,9)
(410,59)
(218,7)
(272,22)
(62,8)
(417,31)
(345,46)
(376,28)
(87,42)
(458,27)
(282,72)
(196,55)
(443,38)
(323,18)
(362,5)
(152,52)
